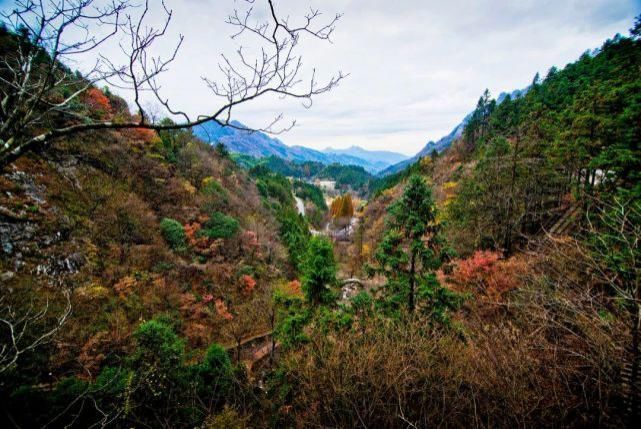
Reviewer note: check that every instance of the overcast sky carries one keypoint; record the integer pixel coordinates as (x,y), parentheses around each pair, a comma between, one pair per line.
(416,66)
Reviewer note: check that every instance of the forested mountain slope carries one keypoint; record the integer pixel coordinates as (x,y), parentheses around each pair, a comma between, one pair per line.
(111,229)
(149,281)
(540,199)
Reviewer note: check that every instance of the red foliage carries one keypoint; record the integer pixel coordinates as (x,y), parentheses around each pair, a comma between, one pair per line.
(295,287)
(191,232)
(208,298)
(486,272)
(222,310)
(142,134)
(473,269)
(98,103)
(248,284)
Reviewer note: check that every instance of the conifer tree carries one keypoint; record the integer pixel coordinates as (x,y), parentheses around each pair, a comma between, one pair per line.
(410,253)
(319,271)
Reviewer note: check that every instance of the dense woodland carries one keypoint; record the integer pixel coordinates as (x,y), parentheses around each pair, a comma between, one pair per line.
(347,177)
(498,280)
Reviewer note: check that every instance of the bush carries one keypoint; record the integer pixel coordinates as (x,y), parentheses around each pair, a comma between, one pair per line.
(174,233)
(220,226)
(158,345)
(215,372)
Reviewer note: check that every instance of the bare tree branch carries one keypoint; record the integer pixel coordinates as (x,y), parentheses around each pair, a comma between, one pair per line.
(39,92)
(17,336)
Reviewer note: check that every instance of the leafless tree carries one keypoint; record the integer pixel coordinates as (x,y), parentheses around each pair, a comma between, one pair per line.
(39,92)
(615,256)
(17,332)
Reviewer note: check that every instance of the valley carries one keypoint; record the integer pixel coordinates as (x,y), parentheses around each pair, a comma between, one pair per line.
(161,269)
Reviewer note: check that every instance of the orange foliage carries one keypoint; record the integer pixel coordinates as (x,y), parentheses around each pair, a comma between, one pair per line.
(91,355)
(142,134)
(124,286)
(487,273)
(294,287)
(222,310)
(97,103)
(248,284)
(191,232)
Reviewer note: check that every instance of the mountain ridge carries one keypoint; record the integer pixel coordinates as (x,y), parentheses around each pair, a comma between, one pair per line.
(259,145)
(446,141)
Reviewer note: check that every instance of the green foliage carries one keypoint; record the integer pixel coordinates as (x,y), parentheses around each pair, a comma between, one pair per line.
(574,133)
(273,186)
(347,177)
(220,225)
(333,320)
(409,253)
(291,319)
(174,234)
(171,141)
(635,31)
(244,161)
(310,192)
(211,186)
(215,372)
(222,150)
(157,346)
(319,271)
(614,240)
(380,184)
(294,233)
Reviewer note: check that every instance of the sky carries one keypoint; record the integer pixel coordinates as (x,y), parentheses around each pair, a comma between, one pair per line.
(416,67)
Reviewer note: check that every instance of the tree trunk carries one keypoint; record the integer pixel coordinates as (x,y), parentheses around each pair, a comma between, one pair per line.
(412,281)
(507,239)
(631,374)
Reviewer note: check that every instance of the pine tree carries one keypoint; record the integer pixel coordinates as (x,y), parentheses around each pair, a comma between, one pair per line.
(410,253)
(319,271)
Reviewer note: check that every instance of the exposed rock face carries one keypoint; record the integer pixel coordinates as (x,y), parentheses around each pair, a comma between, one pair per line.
(28,244)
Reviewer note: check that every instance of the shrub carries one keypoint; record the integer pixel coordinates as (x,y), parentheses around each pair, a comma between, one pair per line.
(220,226)
(211,186)
(174,233)
(215,371)
(158,345)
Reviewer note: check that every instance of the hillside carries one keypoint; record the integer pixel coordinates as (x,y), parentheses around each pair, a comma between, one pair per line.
(347,177)
(258,145)
(153,279)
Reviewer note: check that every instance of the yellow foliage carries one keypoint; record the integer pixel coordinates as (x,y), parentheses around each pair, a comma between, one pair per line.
(92,291)
(191,189)
(367,251)
(426,161)
(450,186)
(207,181)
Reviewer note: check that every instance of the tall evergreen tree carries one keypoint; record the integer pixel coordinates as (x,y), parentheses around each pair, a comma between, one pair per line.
(410,253)
(319,271)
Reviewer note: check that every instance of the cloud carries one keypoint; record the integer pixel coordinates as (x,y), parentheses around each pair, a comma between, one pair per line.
(417,67)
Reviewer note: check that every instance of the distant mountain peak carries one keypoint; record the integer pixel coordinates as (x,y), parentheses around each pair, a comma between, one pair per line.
(260,145)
